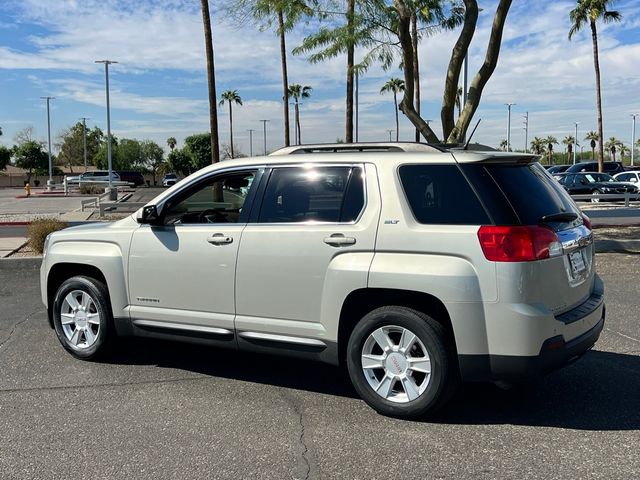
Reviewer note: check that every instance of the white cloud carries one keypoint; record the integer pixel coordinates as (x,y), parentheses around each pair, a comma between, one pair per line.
(539,69)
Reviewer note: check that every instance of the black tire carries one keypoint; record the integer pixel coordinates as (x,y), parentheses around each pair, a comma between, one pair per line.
(100,299)
(444,374)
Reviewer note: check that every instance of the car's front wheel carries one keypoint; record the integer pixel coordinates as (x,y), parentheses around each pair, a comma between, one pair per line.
(82,317)
(399,362)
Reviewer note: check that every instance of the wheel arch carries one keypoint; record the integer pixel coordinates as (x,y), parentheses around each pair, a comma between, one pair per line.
(60,272)
(362,301)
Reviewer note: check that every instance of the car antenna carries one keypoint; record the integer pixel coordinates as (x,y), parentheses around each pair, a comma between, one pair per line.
(466,145)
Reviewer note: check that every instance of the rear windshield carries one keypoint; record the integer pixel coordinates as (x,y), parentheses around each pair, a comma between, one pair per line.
(531,191)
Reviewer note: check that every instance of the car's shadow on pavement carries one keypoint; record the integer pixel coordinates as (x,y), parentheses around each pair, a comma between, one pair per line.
(599,392)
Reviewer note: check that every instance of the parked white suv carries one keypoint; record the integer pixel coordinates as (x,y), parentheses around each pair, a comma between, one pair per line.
(93,176)
(415,270)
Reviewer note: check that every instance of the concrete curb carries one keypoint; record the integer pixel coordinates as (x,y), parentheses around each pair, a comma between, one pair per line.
(617,246)
(20,263)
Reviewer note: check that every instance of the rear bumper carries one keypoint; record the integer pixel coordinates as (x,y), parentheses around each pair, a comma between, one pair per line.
(555,353)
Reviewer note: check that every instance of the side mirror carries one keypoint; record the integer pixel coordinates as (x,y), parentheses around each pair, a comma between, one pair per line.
(150,215)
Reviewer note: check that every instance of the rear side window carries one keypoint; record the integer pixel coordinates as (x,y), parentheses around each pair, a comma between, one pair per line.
(440,194)
(320,194)
(531,192)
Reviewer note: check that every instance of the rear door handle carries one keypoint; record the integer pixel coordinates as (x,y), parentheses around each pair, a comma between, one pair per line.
(339,240)
(220,239)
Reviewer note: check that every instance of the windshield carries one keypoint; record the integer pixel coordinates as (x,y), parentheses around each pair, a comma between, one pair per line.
(598,177)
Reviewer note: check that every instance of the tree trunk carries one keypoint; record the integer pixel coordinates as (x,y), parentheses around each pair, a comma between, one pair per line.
(395,106)
(406,105)
(416,66)
(211,79)
(285,78)
(596,63)
(350,62)
(479,81)
(452,80)
(231,129)
(298,139)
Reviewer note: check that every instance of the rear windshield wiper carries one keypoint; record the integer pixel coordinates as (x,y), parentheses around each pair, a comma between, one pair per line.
(559,217)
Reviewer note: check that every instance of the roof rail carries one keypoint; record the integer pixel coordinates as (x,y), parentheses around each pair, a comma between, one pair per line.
(358,147)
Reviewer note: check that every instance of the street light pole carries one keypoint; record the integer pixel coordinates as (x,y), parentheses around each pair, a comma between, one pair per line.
(264,130)
(50,181)
(106,76)
(633,136)
(526,131)
(575,139)
(509,105)
(84,140)
(251,130)
(390,132)
(357,94)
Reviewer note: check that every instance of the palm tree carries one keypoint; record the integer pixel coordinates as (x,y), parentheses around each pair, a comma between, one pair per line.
(569,141)
(284,14)
(231,97)
(503,144)
(538,145)
(396,86)
(611,145)
(331,42)
(297,91)
(594,138)
(623,150)
(171,142)
(551,141)
(211,80)
(588,12)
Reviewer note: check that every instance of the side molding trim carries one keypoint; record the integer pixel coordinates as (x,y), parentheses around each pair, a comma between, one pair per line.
(185,327)
(269,337)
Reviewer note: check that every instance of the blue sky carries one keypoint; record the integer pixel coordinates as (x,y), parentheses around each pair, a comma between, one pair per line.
(159,87)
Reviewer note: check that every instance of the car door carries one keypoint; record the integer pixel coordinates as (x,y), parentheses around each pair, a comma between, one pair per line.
(314,233)
(182,272)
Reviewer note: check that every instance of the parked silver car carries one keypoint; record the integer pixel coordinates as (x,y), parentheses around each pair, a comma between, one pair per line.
(414,270)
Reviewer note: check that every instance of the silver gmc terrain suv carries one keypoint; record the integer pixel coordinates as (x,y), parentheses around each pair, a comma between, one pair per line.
(413,265)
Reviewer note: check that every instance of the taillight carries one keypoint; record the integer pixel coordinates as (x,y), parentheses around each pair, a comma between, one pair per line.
(518,243)
(586,221)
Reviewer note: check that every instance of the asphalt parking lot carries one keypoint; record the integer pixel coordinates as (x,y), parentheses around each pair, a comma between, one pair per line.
(163,410)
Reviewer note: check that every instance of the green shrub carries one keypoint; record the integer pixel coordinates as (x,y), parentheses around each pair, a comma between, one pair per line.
(91,189)
(39,229)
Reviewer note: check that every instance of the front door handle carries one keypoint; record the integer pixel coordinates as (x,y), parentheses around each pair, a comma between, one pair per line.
(220,239)
(339,240)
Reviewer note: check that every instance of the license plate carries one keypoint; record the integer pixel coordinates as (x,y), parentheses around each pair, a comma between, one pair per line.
(576,260)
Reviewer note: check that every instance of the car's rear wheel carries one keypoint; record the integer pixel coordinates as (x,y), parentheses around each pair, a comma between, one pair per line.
(82,317)
(595,196)
(399,362)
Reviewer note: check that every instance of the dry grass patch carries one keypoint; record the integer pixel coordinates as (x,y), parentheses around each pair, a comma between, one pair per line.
(38,230)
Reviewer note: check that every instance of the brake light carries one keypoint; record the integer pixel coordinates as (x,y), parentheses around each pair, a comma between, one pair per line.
(518,243)
(586,222)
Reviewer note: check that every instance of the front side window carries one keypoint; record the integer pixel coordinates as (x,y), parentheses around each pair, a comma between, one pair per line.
(219,199)
(314,194)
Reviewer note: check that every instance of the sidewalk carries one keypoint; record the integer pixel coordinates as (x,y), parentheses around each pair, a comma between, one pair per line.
(10,244)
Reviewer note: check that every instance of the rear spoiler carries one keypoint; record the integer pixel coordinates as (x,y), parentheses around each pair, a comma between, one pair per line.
(469,156)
